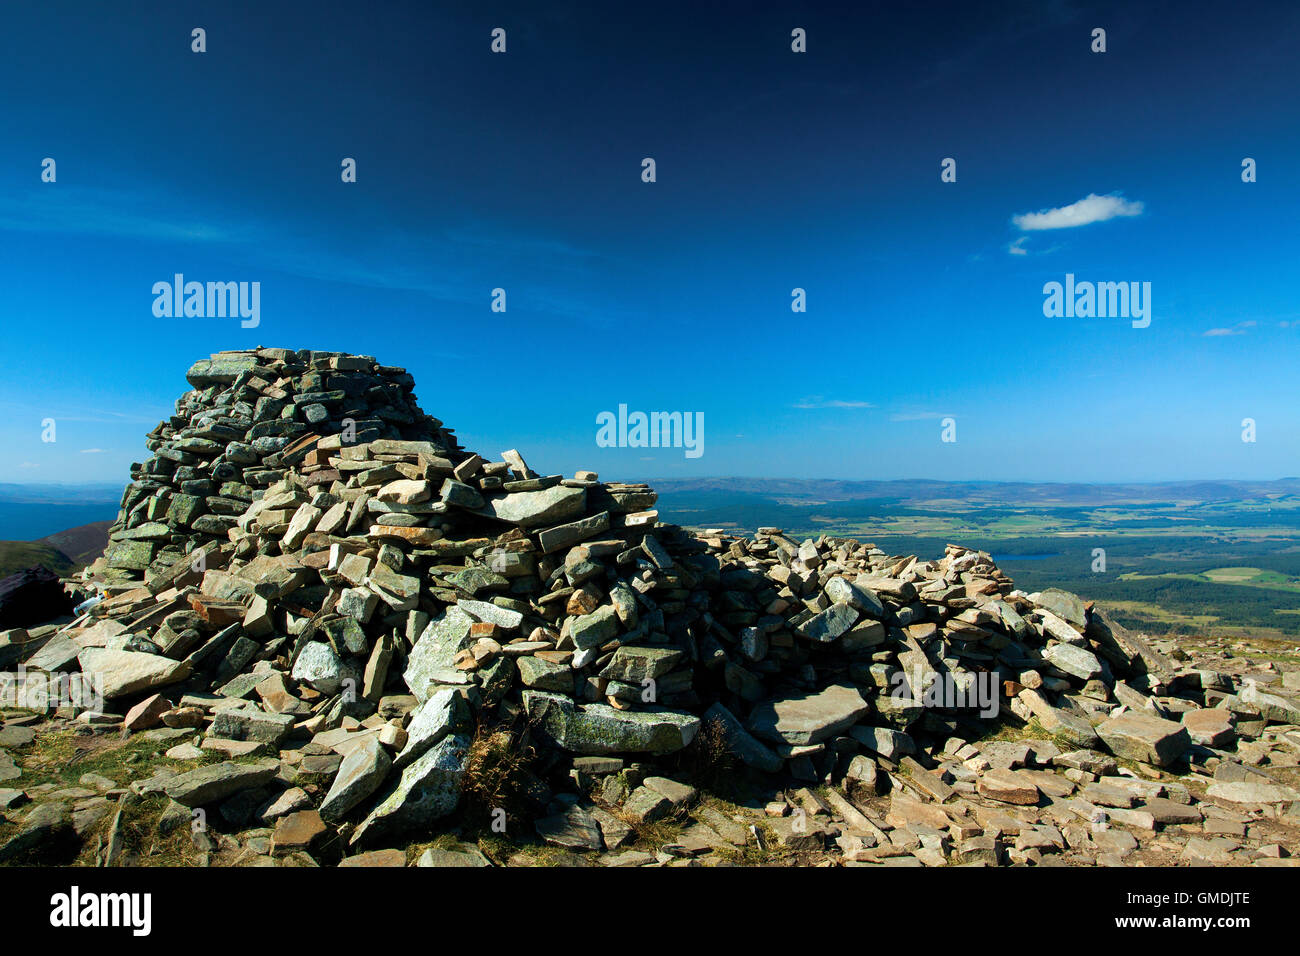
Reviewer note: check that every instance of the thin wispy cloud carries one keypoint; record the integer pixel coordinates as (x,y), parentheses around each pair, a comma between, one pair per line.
(1091,208)
(73,210)
(94,451)
(100,417)
(445,264)
(1238,329)
(816,401)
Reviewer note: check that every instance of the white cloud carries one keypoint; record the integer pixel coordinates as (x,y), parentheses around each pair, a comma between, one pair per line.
(29,464)
(1238,329)
(1092,208)
(93,451)
(1017,248)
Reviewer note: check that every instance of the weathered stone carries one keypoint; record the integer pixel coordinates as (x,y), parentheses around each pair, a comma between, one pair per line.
(296,831)
(148,713)
(809,718)
(541,674)
(1008,786)
(830,623)
(636,664)
(1075,661)
(118,673)
(362,772)
(1249,792)
(574,829)
(600,729)
(250,723)
(532,509)
(428,789)
(645,805)
(319,667)
(216,782)
(1145,737)
(594,629)
(1210,727)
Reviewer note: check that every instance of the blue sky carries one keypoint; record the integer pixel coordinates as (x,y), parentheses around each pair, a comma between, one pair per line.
(775,170)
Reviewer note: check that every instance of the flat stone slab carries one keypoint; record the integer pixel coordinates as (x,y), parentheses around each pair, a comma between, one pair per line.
(1247,792)
(218,781)
(809,718)
(297,831)
(574,829)
(1145,737)
(118,673)
(466,856)
(360,774)
(376,858)
(1008,786)
(1210,727)
(532,509)
(1075,661)
(601,729)
(830,623)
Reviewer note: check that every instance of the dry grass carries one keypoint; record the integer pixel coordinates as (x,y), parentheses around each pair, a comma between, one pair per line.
(708,763)
(498,772)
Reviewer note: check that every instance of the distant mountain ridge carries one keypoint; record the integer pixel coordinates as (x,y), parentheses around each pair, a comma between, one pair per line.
(61,493)
(927,490)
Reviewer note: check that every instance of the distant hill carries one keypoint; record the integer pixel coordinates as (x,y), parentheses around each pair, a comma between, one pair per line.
(82,544)
(63,552)
(19,555)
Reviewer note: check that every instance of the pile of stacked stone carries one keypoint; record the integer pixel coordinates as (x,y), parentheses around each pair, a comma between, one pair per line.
(250,415)
(376,601)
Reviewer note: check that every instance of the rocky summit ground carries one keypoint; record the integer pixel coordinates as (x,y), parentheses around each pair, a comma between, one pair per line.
(323,633)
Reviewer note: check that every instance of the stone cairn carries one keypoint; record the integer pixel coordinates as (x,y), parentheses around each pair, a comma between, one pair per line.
(250,416)
(337,613)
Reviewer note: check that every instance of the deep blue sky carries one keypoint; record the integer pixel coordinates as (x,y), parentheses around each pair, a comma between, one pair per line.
(775,170)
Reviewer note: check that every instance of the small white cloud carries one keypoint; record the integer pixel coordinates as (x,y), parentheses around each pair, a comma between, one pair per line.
(29,464)
(93,451)
(1092,208)
(1238,329)
(817,401)
(1017,248)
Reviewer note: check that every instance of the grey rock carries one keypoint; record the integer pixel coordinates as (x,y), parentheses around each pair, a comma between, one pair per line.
(428,789)
(362,772)
(216,782)
(810,717)
(600,729)
(1144,737)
